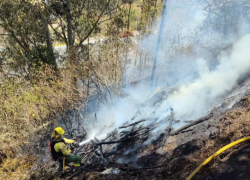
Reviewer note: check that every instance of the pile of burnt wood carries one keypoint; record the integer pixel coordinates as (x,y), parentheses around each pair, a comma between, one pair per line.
(115,143)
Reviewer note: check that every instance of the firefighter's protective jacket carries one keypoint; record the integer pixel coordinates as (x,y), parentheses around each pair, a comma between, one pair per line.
(61,147)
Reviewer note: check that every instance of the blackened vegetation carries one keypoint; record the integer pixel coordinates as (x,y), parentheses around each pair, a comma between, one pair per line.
(192,149)
(123,143)
(181,154)
(186,149)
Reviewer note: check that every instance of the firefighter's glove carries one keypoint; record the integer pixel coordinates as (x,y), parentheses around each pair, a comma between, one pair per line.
(75,144)
(71,148)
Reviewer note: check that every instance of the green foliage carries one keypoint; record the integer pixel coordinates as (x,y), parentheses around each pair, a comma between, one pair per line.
(85,24)
(40,55)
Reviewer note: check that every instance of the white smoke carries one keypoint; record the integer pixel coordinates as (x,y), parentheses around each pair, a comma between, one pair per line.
(195,98)
(197,88)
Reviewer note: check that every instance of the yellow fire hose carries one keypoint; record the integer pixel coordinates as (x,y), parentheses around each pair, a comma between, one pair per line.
(216,154)
(63,164)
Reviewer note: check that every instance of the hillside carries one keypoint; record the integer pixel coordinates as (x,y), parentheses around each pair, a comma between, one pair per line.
(150,106)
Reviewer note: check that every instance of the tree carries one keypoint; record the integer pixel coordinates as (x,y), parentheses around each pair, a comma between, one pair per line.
(33,24)
(26,23)
(226,17)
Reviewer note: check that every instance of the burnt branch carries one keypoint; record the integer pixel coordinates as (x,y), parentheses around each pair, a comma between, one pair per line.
(192,124)
(132,124)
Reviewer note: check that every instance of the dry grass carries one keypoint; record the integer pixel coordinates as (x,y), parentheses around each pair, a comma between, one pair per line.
(14,168)
(27,107)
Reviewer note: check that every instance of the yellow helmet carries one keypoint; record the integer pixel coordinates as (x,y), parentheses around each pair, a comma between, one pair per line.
(59,130)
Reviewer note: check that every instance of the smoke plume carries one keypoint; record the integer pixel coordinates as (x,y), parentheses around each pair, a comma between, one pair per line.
(193,79)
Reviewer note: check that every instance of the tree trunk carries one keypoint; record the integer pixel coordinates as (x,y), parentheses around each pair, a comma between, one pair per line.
(48,40)
(69,25)
(130,4)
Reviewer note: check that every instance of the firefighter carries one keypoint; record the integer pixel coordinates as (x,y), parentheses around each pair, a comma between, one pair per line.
(60,150)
